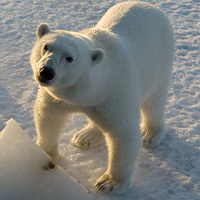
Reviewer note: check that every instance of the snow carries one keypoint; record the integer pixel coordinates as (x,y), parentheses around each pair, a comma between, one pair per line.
(22,176)
(170,171)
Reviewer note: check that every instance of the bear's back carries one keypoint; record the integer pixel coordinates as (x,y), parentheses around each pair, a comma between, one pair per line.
(128,17)
(146,34)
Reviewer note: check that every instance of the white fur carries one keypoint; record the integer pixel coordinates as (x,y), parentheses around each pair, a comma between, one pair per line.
(120,67)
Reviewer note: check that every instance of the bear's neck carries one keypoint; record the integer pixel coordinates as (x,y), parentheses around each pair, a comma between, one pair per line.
(93,89)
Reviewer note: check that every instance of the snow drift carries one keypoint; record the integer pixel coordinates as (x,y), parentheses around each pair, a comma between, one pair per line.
(22,176)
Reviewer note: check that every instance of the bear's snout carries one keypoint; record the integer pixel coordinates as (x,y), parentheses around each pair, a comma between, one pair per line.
(46,74)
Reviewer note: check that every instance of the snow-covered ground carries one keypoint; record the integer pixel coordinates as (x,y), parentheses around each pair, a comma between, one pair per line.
(170,171)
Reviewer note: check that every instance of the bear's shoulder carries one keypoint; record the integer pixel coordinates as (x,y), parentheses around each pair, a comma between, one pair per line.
(102,38)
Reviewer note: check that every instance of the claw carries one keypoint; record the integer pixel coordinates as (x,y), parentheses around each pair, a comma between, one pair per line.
(97,184)
(101,188)
(111,188)
(49,166)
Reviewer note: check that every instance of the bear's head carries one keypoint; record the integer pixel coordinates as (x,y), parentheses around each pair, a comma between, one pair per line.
(61,59)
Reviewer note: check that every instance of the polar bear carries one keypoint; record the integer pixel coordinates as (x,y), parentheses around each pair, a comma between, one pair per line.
(118,74)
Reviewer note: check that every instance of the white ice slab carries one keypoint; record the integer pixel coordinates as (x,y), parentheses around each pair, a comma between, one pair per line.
(21,174)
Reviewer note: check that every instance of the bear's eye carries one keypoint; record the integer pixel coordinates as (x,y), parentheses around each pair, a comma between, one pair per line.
(69,59)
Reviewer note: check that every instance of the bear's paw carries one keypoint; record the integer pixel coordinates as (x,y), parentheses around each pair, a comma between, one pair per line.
(87,137)
(152,137)
(108,184)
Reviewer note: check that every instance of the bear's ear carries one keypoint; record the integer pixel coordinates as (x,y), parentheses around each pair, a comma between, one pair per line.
(42,29)
(97,56)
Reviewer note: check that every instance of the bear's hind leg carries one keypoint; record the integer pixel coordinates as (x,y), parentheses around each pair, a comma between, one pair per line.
(90,136)
(152,112)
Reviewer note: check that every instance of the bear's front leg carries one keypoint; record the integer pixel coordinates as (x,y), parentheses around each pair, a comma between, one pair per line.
(50,117)
(124,142)
(123,152)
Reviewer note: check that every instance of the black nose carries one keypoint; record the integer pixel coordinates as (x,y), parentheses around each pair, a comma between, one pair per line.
(46,74)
